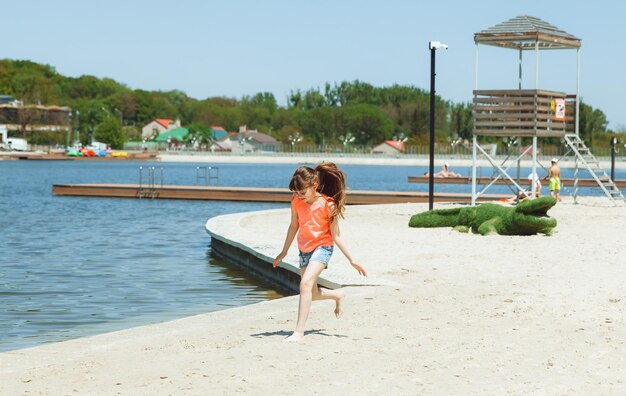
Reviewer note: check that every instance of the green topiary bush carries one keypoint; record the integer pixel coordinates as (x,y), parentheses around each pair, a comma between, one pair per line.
(529,217)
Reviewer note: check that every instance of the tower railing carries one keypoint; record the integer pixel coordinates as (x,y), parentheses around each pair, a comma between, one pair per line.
(522,112)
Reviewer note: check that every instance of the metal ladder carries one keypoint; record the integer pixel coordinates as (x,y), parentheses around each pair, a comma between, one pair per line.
(147,187)
(589,161)
(206,173)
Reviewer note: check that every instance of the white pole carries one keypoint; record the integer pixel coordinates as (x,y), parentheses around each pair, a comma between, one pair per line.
(536,64)
(474,143)
(520,68)
(476,67)
(577,87)
(534,170)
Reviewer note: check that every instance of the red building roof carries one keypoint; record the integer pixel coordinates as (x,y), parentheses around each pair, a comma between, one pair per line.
(164,121)
(395,144)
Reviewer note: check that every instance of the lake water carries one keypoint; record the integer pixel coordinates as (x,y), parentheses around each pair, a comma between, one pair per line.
(72,266)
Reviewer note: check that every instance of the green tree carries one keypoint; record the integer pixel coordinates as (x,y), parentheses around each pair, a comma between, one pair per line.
(357,92)
(368,123)
(255,116)
(265,100)
(321,115)
(88,114)
(318,124)
(110,132)
(295,99)
(151,105)
(126,104)
(313,99)
(330,95)
(201,134)
(285,117)
(592,123)
(461,120)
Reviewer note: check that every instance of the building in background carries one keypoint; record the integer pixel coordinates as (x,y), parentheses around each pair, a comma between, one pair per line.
(156,127)
(175,139)
(250,141)
(218,133)
(389,147)
(25,121)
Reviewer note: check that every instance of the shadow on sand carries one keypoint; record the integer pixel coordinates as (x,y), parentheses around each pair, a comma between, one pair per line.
(283,333)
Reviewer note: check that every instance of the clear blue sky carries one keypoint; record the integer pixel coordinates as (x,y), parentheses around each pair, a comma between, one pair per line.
(242,47)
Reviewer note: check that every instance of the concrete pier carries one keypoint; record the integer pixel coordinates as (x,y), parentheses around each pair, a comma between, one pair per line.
(251,194)
(523,181)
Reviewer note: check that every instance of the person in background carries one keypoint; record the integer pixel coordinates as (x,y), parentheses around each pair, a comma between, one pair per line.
(555,180)
(444,172)
(528,193)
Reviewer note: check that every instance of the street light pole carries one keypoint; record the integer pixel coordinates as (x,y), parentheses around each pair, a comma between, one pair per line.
(433,46)
(294,139)
(613,150)
(76,132)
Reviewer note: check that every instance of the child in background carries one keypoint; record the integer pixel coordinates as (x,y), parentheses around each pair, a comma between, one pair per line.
(318,202)
(555,179)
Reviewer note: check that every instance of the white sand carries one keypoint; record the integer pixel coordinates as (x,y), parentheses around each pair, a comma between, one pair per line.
(467,315)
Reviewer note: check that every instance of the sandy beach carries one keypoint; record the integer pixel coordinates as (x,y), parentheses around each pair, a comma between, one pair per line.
(362,159)
(464,161)
(441,313)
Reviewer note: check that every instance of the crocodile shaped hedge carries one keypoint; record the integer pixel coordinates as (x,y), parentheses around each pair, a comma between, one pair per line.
(529,217)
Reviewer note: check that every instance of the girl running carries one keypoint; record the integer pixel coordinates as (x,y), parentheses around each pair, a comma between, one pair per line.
(318,202)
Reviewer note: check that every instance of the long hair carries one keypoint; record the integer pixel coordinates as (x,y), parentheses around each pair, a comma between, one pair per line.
(331,182)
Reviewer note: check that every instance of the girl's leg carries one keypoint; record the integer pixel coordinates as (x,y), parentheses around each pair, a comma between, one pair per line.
(320,293)
(308,281)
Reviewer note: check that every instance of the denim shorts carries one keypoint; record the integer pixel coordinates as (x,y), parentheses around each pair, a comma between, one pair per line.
(321,254)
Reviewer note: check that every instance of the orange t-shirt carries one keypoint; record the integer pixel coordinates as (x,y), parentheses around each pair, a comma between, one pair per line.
(313,222)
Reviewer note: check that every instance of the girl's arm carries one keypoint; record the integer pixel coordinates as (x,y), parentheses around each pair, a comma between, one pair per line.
(291,234)
(334,229)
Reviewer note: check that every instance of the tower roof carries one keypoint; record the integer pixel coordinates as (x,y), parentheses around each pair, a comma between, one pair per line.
(523,32)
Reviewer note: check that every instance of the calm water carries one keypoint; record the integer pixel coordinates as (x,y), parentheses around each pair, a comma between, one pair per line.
(72,267)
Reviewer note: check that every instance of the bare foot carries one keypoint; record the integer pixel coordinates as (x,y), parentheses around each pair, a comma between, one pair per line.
(339,305)
(295,337)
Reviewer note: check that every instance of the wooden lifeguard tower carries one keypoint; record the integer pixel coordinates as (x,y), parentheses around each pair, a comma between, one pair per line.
(530,113)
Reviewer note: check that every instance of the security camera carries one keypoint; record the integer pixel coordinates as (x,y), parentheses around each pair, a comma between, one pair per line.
(437,45)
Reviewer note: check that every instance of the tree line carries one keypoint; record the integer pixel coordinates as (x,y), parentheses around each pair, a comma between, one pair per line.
(328,115)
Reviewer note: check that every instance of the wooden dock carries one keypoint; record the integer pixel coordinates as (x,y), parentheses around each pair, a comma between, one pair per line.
(523,181)
(64,157)
(251,194)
